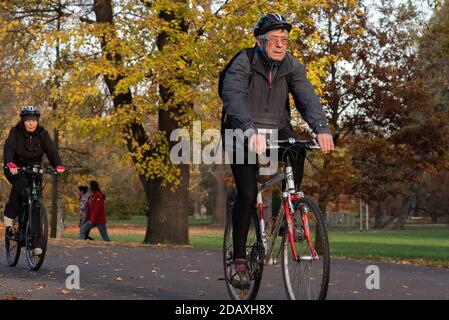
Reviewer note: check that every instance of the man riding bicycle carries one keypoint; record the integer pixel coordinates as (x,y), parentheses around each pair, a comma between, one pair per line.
(25,146)
(255,96)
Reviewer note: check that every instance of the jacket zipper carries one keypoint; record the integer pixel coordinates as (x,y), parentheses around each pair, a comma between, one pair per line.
(270,82)
(270,77)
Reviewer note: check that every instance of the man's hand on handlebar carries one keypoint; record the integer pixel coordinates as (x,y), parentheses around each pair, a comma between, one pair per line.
(258,143)
(326,142)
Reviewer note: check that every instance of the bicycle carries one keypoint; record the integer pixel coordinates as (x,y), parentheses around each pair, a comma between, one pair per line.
(32,223)
(304,247)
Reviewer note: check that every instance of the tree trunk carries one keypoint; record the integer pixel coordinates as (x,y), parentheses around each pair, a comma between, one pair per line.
(54,181)
(54,195)
(434,218)
(167,218)
(414,205)
(325,193)
(403,213)
(322,203)
(61,221)
(221,192)
(378,223)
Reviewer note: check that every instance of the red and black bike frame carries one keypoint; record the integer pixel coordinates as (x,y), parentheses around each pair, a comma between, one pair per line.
(290,196)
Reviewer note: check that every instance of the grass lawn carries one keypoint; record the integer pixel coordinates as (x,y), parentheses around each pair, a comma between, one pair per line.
(419,244)
(138,221)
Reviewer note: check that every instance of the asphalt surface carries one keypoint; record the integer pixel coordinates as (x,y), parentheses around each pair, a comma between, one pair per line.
(117,271)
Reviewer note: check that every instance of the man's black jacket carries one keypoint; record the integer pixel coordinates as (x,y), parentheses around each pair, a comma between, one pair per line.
(250,101)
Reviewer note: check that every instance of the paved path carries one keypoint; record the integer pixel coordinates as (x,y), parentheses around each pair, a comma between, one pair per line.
(117,271)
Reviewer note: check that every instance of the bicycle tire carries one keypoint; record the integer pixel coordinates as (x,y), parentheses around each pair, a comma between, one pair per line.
(12,252)
(34,263)
(255,257)
(297,276)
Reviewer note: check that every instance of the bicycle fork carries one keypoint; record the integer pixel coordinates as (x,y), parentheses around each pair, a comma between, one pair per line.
(290,195)
(289,210)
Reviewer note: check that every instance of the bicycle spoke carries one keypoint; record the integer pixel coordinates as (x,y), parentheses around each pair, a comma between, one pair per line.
(35,261)
(307,278)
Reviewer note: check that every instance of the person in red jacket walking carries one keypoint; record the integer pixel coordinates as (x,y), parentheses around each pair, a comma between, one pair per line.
(96,213)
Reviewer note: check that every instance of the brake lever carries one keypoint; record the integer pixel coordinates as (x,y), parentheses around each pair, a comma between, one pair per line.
(271,146)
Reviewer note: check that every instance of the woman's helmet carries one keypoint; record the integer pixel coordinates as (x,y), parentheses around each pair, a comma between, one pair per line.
(30,111)
(269,22)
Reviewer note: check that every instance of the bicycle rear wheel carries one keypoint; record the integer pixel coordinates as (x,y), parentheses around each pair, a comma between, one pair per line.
(39,236)
(12,248)
(254,256)
(306,278)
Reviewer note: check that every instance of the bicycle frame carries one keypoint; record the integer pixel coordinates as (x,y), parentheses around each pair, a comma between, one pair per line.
(34,194)
(288,196)
(32,229)
(298,221)
(35,191)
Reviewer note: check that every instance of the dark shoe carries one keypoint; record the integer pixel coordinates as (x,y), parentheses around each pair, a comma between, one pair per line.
(89,238)
(10,234)
(240,279)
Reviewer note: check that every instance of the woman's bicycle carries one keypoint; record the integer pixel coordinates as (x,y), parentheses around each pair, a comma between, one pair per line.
(303,250)
(31,226)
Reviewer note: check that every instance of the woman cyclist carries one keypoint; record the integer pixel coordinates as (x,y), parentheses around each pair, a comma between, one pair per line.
(25,146)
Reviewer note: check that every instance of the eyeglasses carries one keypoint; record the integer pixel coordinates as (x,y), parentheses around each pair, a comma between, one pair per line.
(275,40)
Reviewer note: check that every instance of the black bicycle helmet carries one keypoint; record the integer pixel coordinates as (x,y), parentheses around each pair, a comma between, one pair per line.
(30,111)
(271,21)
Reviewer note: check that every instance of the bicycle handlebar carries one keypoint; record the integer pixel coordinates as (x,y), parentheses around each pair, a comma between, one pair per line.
(38,170)
(306,144)
(286,143)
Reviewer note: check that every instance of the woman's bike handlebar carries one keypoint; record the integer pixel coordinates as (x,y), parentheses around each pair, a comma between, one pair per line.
(38,170)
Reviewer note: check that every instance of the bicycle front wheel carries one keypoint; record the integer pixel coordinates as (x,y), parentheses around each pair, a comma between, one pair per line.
(36,236)
(12,248)
(306,278)
(254,256)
